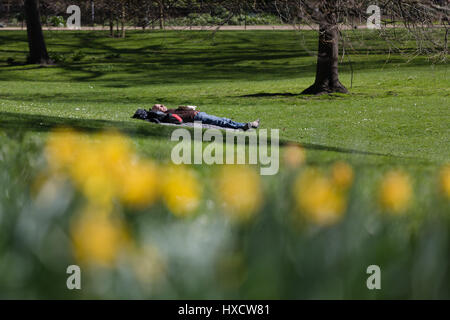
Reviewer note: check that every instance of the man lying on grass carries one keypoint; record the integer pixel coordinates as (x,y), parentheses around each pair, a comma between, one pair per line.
(189,114)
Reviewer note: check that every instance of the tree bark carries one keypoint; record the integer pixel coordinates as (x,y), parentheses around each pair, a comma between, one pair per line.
(111,24)
(161,14)
(36,43)
(122,21)
(327,75)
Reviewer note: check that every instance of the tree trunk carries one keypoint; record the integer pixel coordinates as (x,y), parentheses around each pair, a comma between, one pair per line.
(111,21)
(111,26)
(161,14)
(122,21)
(327,75)
(92,13)
(36,43)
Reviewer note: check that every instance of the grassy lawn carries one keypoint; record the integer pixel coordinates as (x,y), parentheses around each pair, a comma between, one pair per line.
(397,112)
(397,115)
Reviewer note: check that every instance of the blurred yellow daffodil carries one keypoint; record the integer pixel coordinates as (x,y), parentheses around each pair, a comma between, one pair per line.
(395,192)
(103,167)
(61,148)
(445,180)
(342,175)
(114,147)
(239,189)
(139,186)
(181,190)
(293,156)
(98,238)
(318,198)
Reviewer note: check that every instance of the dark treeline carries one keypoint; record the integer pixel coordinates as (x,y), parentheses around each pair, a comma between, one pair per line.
(143,13)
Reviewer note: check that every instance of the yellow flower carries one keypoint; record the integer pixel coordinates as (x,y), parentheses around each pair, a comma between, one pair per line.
(294,156)
(97,238)
(239,188)
(318,199)
(90,174)
(103,166)
(61,148)
(140,184)
(181,190)
(74,154)
(445,180)
(342,175)
(114,148)
(395,192)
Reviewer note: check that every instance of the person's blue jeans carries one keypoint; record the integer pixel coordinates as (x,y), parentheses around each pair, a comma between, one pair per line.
(218,121)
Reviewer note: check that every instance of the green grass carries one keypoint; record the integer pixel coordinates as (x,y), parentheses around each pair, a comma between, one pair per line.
(396,115)
(397,111)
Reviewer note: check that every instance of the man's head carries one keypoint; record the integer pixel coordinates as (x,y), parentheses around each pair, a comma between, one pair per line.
(159,107)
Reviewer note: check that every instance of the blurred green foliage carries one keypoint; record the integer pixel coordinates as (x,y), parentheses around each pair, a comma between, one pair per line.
(206,19)
(273,256)
(56,21)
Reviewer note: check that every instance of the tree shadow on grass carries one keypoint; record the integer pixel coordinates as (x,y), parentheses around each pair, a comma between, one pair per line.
(20,122)
(177,57)
(318,147)
(328,96)
(266,94)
